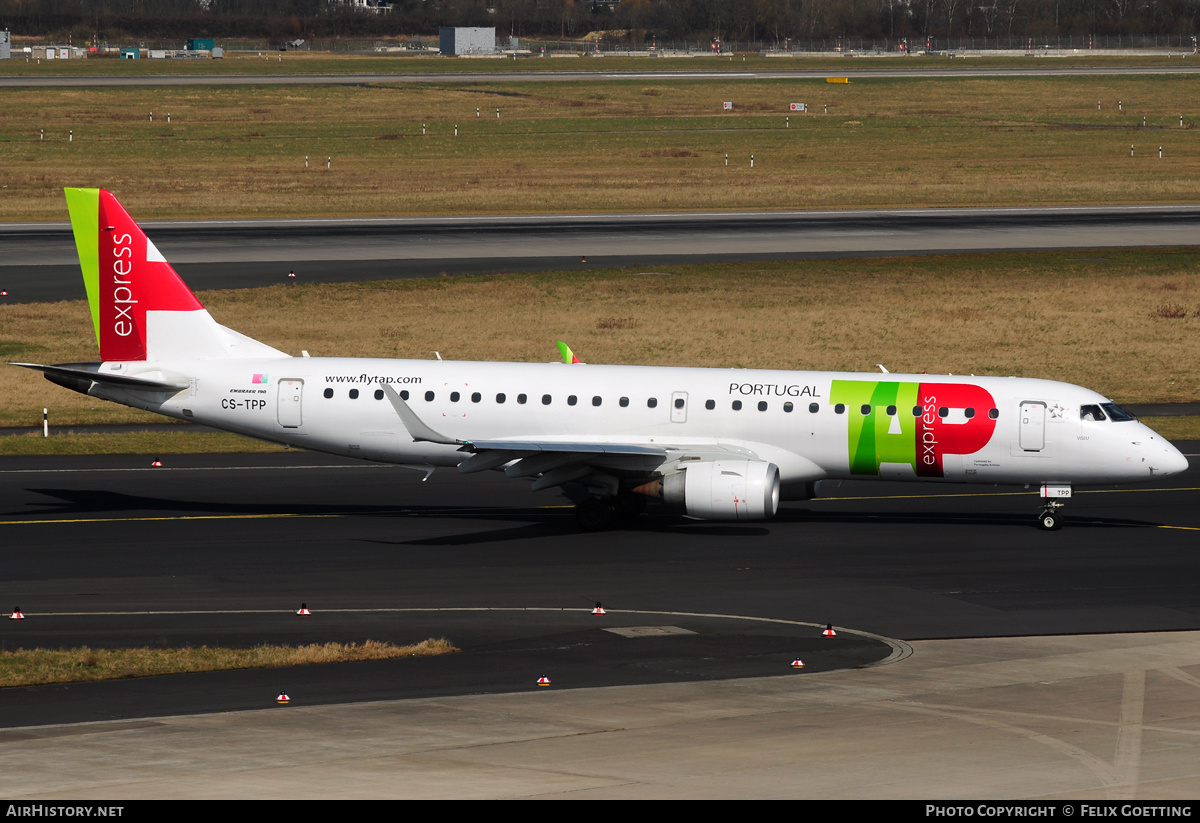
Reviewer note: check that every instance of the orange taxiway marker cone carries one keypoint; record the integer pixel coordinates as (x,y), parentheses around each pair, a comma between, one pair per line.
(16,615)
(303,609)
(829,632)
(543,681)
(283,699)
(599,609)
(797,663)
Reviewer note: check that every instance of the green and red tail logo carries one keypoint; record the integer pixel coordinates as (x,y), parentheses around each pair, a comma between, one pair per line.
(125,275)
(913,424)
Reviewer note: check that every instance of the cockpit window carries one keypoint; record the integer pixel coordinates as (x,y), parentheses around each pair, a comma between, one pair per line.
(1116,413)
(1088,413)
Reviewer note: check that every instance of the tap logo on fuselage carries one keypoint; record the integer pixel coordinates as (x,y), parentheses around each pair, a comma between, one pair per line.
(914,424)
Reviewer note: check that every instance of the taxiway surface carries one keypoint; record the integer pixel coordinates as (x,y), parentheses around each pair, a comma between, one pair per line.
(106,551)
(39,262)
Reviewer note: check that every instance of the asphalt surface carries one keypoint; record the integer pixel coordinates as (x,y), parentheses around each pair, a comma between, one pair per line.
(38,262)
(938,68)
(106,551)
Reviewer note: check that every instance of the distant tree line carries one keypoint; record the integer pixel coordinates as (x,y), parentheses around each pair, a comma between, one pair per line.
(746,20)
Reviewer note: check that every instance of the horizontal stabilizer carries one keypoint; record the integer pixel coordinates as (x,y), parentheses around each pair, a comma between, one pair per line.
(90,371)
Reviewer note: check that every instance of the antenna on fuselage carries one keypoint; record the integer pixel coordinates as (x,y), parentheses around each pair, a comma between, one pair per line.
(438,355)
(882,369)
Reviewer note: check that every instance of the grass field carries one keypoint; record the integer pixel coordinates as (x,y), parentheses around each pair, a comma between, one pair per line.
(29,667)
(601,145)
(1121,322)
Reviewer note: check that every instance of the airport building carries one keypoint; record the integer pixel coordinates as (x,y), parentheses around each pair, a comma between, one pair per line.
(468,40)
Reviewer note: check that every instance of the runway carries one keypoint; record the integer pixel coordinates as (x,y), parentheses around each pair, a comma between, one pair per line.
(938,69)
(39,261)
(223,549)
(218,550)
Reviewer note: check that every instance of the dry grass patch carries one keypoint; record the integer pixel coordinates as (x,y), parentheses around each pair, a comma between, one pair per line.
(38,666)
(600,145)
(1067,316)
(185,441)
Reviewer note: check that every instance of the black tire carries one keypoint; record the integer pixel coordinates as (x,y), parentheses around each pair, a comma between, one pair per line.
(1049,521)
(594,514)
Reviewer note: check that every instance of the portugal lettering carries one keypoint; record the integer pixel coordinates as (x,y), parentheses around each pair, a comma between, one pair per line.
(773,390)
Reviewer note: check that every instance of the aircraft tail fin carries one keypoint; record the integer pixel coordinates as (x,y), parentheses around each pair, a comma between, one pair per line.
(141,309)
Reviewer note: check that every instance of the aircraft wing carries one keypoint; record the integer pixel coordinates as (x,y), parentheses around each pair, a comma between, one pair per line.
(556,462)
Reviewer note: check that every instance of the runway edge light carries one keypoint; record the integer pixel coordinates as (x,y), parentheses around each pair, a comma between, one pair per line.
(16,615)
(283,699)
(829,632)
(543,681)
(797,663)
(599,609)
(303,609)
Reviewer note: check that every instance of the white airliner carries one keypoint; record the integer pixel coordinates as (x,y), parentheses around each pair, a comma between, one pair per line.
(720,444)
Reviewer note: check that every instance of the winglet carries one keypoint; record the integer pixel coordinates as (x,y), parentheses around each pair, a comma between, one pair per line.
(416,427)
(568,356)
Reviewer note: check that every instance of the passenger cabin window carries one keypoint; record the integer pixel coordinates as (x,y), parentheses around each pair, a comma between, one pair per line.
(572,400)
(596,401)
(454,396)
(762,405)
(500,398)
(737,405)
(404,394)
(710,404)
(813,408)
(787,407)
(679,402)
(328,393)
(840,408)
(476,397)
(623,402)
(1091,413)
(994,414)
(916,411)
(546,400)
(891,410)
(354,394)
(866,409)
(429,396)
(379,394)
(521,398)
(969,413)
(943,412)
(652,403)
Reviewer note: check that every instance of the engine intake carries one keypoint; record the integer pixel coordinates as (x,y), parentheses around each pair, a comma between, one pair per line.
(723,489)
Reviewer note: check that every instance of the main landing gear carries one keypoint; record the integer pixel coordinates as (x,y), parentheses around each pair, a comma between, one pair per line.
(598,513)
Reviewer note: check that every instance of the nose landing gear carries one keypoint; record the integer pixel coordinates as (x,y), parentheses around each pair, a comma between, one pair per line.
(1051,519)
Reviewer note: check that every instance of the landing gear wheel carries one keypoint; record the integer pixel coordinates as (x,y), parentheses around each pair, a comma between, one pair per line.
(594,514)
(1050,520)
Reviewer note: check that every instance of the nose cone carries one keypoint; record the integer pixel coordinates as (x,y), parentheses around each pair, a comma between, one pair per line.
(1171,462)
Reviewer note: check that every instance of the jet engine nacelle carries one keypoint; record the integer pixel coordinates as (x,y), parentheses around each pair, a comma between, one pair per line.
(724,489)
